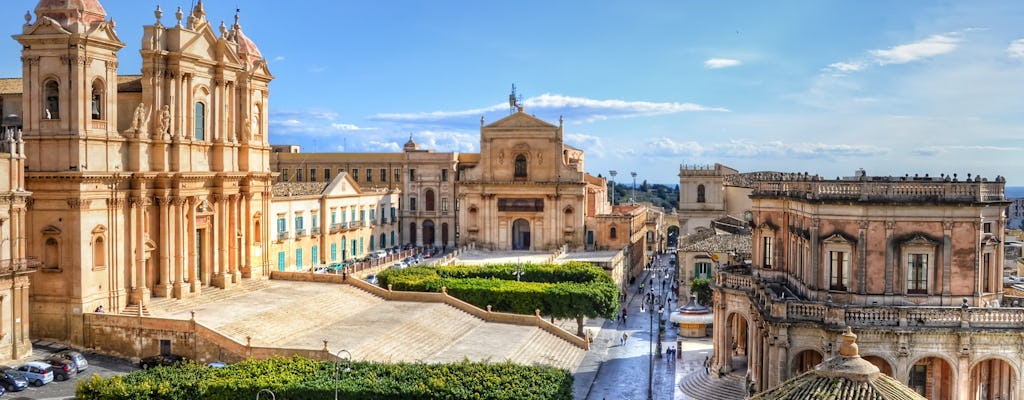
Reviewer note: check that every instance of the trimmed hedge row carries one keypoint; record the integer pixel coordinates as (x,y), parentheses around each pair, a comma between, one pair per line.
(302,379)
(570,290)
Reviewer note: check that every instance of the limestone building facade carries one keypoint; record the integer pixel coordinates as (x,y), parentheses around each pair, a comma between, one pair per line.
(162,181)
(913,263)
(323,223)
(16,265)
(527,192)
(707,192)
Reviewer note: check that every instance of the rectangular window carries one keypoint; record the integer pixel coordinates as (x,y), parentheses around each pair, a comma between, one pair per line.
(412,204)
(298,174)
(361,245)
(444,174)
(355,174)
(282,225)
(327,174)
(398,175)
(362,216)
(316,223)
(373,215)
(315,255)
(919,378)
(334,217)
(394,212)
(917,273)
(284,175)
(312,174)
(702,270)
(767,248)
(298,259)
(444,204)
(353,247)
(334,252)
(412,174)
(298,227)
(988,227)
(383,174)
(369,175)
(839,270)
(280,261)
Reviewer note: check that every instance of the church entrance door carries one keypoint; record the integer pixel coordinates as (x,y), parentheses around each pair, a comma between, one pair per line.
(521,234)
(428,233)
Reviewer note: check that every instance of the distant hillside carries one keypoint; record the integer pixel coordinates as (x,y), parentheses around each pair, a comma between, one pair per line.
(664,196)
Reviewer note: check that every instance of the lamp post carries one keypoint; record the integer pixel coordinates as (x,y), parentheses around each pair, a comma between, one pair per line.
(612,173)
(518,272)
(348,360)
(633,196)
(268,391)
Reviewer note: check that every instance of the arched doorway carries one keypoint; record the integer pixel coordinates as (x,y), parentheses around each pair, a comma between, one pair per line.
(736,336)
(521,234)
(805,361)
(880,362)
(993,379)
(428,233)
(932,377)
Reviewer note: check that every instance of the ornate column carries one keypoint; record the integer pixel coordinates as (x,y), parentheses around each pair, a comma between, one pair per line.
(890,225)
(862,256)
(234,236)
(947,249)
(140,292)
(194,280)
(177,245)
(217,234)
(163,288)
(820,279)
(247,234)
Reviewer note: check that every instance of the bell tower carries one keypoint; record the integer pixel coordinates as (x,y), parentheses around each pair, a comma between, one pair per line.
(69,80)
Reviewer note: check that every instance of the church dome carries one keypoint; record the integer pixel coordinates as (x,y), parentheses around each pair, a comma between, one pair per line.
(410,145)
(247,49)
(69,12)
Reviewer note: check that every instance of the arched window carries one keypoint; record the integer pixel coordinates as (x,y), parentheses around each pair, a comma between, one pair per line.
(520,166)
(428,201)
(612,233)
(51,100)
(200,119)
(97,99)
(700,193)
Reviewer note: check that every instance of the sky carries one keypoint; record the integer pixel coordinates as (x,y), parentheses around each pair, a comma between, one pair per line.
(826,87)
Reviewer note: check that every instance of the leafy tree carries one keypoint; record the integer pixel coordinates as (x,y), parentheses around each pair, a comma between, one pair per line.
(702,288)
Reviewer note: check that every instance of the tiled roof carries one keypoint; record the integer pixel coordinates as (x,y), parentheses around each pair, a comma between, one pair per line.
(285,189)
(10,86)
(720,244)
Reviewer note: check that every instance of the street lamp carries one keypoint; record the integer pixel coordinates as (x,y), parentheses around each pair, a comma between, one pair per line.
(612,173)
(518,272)
(348,360)
(633,199)
(268,391)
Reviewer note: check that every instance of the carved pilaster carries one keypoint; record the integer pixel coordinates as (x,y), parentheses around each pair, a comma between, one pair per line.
(115,203)
(77,204)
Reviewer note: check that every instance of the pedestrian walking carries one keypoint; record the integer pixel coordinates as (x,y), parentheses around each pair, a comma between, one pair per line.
(625,335)
(707,365)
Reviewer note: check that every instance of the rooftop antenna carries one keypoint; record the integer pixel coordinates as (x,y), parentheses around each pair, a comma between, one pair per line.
(515,101)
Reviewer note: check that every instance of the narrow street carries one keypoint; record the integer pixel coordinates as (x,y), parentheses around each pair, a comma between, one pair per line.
(624,370)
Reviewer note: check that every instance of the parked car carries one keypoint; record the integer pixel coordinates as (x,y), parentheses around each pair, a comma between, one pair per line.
(217,364)
(37,372)
(12,380)
(80,362)
(161,360)
(371,279)
(63,369)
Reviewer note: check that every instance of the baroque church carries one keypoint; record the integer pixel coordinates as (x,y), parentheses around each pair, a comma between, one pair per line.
(142,186)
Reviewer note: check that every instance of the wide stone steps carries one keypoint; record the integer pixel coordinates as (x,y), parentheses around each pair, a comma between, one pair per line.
(208,295)
(133,310)
(421,336)
(702,386)
(545,348)
(279,325)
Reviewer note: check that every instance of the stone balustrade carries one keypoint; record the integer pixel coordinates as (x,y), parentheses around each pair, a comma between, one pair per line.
(889,189)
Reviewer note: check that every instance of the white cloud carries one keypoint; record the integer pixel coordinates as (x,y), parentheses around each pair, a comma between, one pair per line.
(279,58)
(932,46)
(846,66)
(312,122)
(591,145)
(666,147)
(1016,49)
(383,146)
(550,107)
(716,63)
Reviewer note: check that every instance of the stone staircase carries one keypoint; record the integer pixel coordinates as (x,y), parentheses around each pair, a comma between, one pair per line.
(545,348)
(701,386)
(209,295)
(421,336)
(133,311)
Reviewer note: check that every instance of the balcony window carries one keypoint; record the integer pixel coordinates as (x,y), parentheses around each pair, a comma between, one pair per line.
(917,273)
(839,270)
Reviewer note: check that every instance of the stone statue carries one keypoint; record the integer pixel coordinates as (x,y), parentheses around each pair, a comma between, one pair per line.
(140,121)
(165,121)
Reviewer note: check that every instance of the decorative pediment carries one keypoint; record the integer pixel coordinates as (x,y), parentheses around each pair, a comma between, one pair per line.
(47,26)
(204,44)
(99,230)
(767,226)
(921,240)
(204,207)
(51,230)
(990,240)
(260,69)
(839,238)
(104,31)
(520,120)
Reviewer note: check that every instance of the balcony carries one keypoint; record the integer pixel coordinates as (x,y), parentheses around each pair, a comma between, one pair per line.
(362,223)
(336,227)
(300,233)
(315,231)
(282,235)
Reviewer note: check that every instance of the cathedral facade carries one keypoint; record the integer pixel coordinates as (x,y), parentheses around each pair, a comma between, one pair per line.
(143,186)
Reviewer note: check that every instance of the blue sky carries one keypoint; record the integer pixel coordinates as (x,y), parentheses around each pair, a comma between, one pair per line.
(901,87)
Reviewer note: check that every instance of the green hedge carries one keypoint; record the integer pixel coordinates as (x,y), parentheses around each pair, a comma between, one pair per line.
(302,379)
(569,290)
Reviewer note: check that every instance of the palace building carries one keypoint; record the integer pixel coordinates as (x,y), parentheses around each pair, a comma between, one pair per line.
(151,185)
(914,264)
